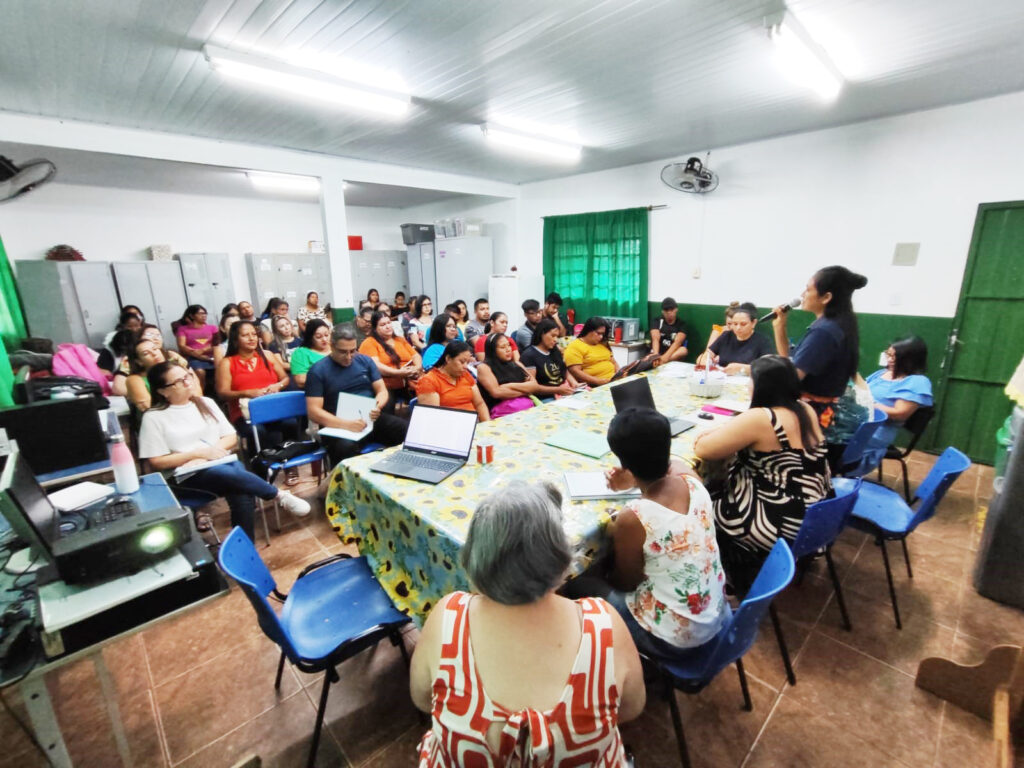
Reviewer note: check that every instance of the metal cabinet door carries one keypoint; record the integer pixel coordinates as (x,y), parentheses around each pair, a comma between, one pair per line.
(94,286)
(168,288)
(133,286)
(427,266)
(322,278)
(193,273)
(221,288)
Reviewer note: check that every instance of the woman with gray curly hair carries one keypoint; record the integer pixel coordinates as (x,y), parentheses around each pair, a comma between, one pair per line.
(565,672)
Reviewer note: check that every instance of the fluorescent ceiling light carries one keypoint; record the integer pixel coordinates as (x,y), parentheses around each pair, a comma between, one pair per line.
(299,81)
(555,149)
(800,58)
(283,182)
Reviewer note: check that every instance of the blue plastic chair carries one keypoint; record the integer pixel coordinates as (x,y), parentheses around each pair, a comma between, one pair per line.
(884,514)
(915,425)
(867,447)
(692,672)
(335,610)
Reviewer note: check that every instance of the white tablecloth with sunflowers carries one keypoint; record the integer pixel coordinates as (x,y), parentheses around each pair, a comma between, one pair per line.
(411,532)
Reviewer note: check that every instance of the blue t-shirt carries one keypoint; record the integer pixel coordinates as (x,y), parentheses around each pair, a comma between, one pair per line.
(914,388)
(823,357)
(326,379)
(431,355)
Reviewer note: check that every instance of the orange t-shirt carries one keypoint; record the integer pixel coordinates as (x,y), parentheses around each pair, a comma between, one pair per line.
(373,348)
(458,395)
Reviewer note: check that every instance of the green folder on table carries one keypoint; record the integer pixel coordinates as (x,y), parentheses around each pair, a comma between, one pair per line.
(580,441)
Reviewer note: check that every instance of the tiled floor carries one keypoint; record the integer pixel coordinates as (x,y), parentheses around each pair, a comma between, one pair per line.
(198,691)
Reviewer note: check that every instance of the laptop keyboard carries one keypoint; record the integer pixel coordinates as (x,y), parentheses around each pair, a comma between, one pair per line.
(424,462)
(116,510)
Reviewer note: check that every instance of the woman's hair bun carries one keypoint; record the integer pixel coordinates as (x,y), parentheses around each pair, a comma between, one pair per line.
(857,281)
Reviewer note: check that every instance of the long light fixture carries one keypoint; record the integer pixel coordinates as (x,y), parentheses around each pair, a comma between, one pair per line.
(558,150)
(283,182)
(309,83)
(802,59)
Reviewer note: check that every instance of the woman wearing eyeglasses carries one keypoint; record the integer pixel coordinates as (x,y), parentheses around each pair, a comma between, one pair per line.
(182,429)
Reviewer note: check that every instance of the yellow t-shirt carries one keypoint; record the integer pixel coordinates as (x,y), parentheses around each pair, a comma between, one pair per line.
(595,359)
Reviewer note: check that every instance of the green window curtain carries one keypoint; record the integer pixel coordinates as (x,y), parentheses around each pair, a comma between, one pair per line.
(598,262)
(12,325)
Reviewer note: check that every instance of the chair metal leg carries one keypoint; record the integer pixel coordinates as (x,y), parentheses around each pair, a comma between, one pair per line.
(266,525)
(880,471)
(747,703)
(396,639)
(783,649)
(330,676)
(892,587)
(906,557)
(677,724)
(280,670)
(838,588)
(906,481)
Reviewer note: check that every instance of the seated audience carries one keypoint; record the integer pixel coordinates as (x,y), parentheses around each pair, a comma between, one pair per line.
(384,308)
(716,330)
(444,329)
(247,372)
(373,297)
(780,466)
(130,319)
(285,340)
(345,370)
(668,334)
(398,305)
(246,311)
(901,387)
(532,314)
(550,371)
(228,319)
(566,673)
(497,324)
(588,356)
(449,383)
(395,358)
(275,308)
(110,357)
(311,310)
(421,318)
(481,316)
(453,311)
(463,317)
(552,305)
(182,429)
(144,354)
(230,309)
(316,345)
(363,323)
(667,575)
(738,346)
(195,341)
(505,384)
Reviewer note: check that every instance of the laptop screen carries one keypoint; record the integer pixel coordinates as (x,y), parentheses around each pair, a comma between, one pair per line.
(441,430)
(633,394)
(30,504)
(56,434)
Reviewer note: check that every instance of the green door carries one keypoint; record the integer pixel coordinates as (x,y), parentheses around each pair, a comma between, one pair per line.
(988,334)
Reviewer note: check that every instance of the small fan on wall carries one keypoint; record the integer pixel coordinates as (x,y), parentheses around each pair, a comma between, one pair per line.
(17,180)
(691,176)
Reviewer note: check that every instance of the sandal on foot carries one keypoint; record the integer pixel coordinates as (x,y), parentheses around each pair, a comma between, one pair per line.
(204,522)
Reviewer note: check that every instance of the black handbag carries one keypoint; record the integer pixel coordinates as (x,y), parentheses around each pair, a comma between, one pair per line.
(289,449)
(35,390)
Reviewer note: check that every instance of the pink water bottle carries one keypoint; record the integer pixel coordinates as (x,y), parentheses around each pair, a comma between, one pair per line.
(126,479)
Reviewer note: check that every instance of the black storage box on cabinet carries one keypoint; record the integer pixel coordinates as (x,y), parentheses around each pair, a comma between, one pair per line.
(417,233)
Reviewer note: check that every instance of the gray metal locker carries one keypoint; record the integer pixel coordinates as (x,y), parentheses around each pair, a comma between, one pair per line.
(289,276)
(462,268)
(133,286)
(68,301)
(207,279)
(421,271)
(384,270)
(169,296)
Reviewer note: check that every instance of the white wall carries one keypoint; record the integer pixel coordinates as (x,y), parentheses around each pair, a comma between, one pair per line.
(499,219)
(379,227)
(108,224)
(790,205)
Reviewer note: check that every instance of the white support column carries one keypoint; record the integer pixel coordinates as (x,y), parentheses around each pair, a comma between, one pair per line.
(332,208)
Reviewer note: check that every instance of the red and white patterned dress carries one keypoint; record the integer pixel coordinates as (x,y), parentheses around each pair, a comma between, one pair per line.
(582,729)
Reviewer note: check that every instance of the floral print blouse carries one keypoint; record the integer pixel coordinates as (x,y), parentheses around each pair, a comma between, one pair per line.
(681,598)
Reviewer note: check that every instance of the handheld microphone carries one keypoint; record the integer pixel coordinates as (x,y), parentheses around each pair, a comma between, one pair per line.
(792,305)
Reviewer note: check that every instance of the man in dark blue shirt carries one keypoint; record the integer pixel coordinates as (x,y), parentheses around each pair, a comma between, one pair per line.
(345,370)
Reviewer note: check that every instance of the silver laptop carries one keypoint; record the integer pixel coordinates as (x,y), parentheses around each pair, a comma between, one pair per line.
(437,443)
(636,393)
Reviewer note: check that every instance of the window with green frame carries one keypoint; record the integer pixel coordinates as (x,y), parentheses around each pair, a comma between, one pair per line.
(598,262)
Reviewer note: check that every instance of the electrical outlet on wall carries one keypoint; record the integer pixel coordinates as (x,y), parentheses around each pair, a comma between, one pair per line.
(696,273)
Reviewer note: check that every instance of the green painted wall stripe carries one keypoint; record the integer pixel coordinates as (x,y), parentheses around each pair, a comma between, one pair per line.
(344,314)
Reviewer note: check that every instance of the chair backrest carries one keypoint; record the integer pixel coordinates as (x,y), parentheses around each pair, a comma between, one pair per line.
(239,559)
(867,447)
(277,406)
(917,424)
(824,521)
(949,466)
(775,574)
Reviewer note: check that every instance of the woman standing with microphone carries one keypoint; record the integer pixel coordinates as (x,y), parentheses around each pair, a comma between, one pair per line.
(826,357)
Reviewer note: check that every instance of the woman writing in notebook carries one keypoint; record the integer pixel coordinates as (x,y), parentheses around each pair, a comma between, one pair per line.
(182,429)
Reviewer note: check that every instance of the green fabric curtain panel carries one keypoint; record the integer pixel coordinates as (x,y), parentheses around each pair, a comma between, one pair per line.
(12,325)
(598,262)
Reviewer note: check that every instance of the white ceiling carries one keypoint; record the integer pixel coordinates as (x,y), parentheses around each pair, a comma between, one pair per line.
(638,79)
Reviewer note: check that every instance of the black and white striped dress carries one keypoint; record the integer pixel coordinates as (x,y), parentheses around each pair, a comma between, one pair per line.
(767,492)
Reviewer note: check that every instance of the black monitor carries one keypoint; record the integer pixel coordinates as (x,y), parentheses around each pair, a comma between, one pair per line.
(56,434)
(25,506)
